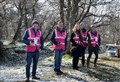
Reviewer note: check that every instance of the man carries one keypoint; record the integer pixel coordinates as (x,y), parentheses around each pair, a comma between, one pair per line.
(93,44)
(59,44)
(84,36)
(34,43)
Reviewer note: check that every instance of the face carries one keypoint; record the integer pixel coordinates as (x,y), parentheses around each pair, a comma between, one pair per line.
(60,25)
(35,25)
(82,25)
(93,28)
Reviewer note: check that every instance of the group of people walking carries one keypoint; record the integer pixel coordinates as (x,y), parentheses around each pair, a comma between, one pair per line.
(80,40)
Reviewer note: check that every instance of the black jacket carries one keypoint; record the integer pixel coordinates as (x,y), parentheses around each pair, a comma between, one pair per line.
(72,40)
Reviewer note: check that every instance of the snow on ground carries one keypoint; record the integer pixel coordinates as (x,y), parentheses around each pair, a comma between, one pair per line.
(108,70)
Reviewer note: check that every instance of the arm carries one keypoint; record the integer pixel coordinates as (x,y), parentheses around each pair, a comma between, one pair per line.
(99,40)
(66,42)
(88,39)
(25,38)
(42,43)
(72,40)
(53,38)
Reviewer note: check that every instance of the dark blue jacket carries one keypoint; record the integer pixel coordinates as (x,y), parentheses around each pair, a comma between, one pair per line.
(26,41)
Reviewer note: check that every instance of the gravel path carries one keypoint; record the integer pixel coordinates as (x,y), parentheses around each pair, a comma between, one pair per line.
(108,70)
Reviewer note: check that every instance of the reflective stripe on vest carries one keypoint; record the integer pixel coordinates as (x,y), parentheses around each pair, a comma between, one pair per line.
(61,39)
(84,35)
(76,39)
(34,39)
(93,39)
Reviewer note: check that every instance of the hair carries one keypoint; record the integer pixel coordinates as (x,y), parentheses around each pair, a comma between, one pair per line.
(75,27)
(77,32)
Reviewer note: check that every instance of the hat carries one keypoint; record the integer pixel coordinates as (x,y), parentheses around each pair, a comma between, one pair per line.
(35,22)
(92,26)
(60,21)
(82,23)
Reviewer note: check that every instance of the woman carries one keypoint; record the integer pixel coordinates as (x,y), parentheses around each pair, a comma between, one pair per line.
(77,45)
(84,35)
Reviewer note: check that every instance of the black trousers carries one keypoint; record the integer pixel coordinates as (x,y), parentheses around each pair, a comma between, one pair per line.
(76,52)
(83,56)
(95,51)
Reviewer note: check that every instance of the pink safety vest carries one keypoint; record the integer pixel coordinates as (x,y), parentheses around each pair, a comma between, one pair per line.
(35,39)
(84,35)
(77,40)
(59,38)
(93,39)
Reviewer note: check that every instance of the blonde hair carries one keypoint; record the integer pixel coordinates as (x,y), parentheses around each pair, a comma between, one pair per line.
(75,27)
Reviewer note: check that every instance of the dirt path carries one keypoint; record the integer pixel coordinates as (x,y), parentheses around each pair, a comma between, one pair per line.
(108,70)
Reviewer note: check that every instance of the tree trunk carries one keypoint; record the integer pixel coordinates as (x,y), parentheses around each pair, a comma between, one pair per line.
(17,35)
(1,49)
(61,10)
(33,13)
(25,20)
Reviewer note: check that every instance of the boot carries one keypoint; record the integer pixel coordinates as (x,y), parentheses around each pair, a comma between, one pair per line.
(88,61)
(83,62)
(95,61)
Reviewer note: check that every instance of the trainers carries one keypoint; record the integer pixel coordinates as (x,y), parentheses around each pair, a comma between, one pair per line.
(34,77)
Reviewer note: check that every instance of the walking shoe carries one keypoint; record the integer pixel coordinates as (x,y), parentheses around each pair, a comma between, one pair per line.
(76,68)
(60,72)
(27,80)
(34,77)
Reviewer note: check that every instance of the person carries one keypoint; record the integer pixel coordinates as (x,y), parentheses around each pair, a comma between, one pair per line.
(34,44)
(59,40)
(77,45)
(84,36)
(93,44)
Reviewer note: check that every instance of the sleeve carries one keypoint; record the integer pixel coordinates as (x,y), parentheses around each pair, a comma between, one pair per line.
(25,38)
(99,41)
(53,38)
(88,39)
(66,41)
(72,40)
(42,43)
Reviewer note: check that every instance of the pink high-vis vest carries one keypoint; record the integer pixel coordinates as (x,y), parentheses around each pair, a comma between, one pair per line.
(34,39)
(61,39)
(94,39)
(84,35)
(77,40)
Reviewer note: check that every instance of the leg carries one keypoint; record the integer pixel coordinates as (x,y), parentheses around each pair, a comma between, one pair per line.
(83,57)
(56,62)
(60,61)
(28,60)
(75,57)
(96,58)
(35,61)
(60,58)
(89,56)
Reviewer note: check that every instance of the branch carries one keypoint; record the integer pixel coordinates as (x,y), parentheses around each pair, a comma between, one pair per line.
(2,1)
(90,2)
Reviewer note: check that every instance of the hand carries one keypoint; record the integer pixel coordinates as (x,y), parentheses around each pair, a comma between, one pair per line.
(31,43)
(39,50)
(58,43)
